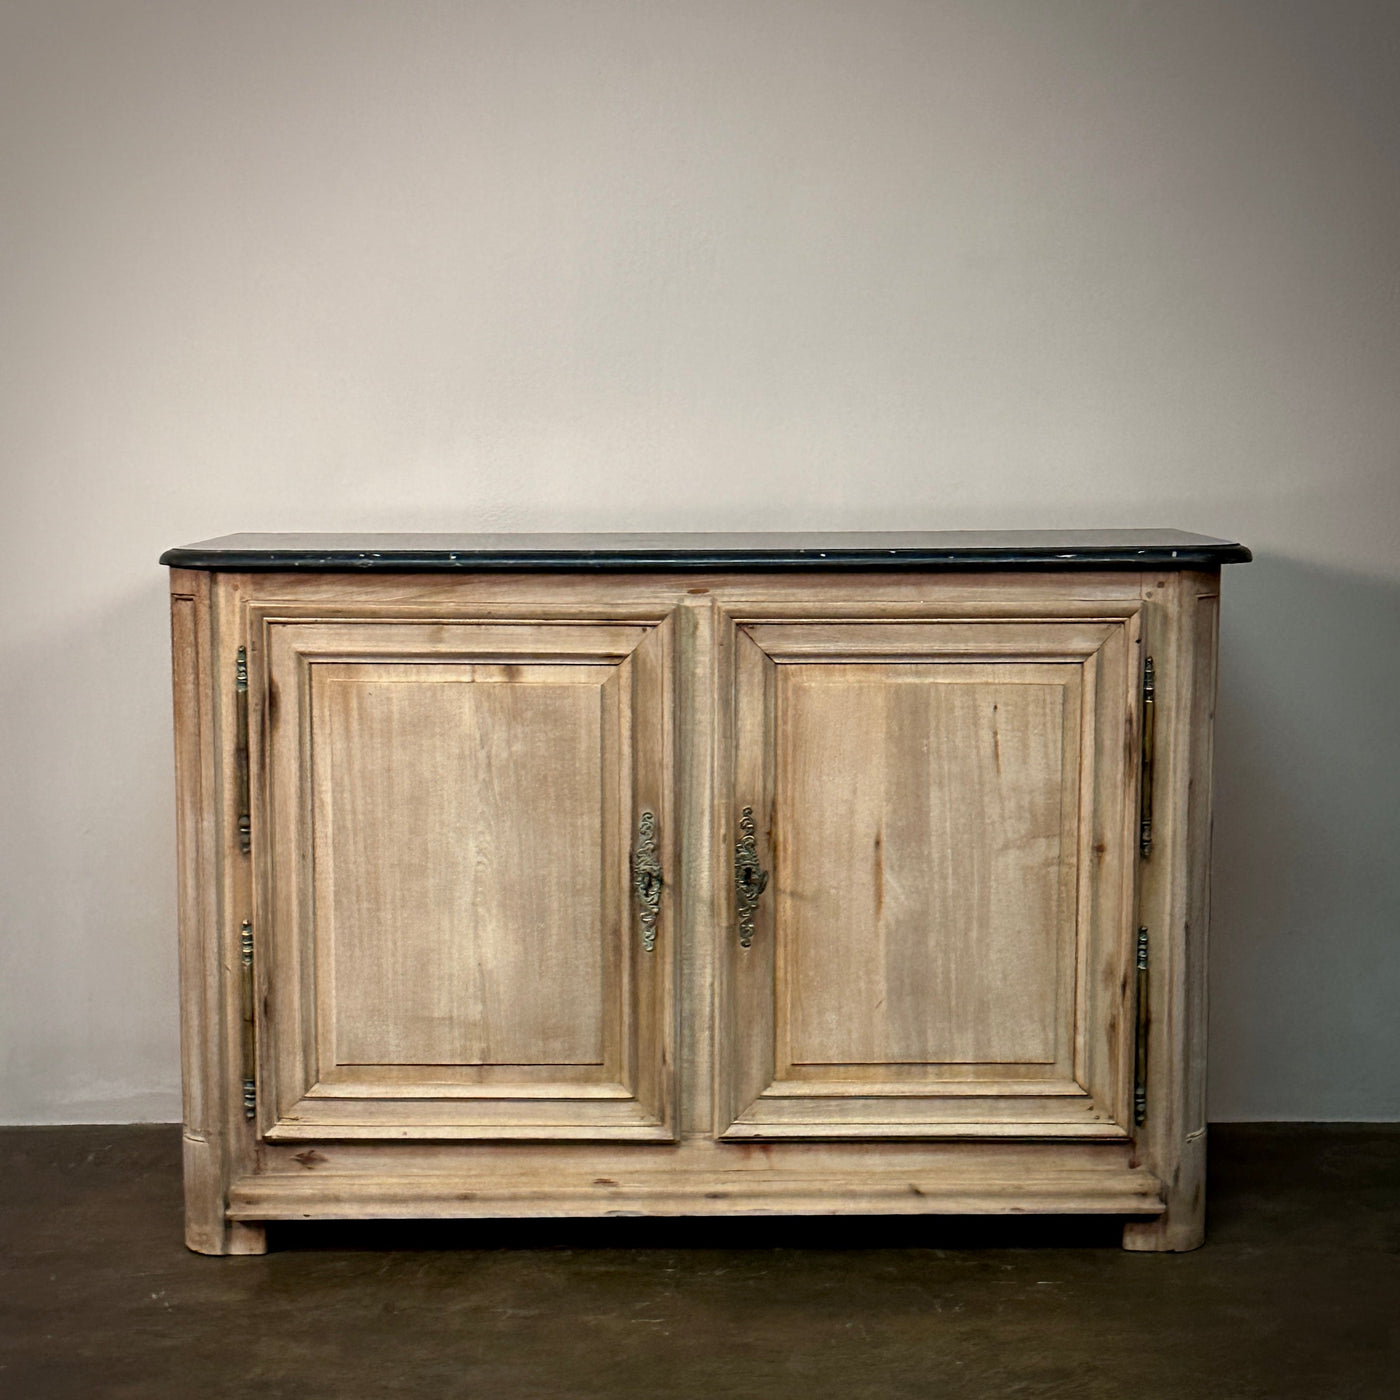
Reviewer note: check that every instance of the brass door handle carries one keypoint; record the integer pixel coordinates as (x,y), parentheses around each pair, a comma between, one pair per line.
(750,878)
(647,879)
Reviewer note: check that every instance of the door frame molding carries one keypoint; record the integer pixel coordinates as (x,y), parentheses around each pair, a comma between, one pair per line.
(1102,633)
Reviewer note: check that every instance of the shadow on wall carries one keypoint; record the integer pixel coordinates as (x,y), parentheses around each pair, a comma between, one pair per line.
(1305,950)
(87,923)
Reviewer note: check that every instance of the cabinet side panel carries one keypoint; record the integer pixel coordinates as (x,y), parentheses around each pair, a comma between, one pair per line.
(196,827)
(1174,905)
(1205,672)
(228,635)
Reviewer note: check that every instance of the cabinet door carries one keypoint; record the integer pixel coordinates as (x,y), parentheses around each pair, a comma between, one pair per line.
(945,810)
(448,937)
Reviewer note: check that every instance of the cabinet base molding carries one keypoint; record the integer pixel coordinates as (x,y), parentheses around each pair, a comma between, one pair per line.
(1130,1191)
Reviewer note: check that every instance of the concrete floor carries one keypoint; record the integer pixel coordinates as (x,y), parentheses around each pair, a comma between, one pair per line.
(1297,1293)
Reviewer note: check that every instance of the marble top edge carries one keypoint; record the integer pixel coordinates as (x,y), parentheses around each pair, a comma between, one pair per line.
(834,549)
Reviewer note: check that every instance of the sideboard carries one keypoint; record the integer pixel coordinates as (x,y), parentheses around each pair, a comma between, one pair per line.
(575,875)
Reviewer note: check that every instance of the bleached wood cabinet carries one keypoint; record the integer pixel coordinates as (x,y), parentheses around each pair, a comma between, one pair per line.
(694,875)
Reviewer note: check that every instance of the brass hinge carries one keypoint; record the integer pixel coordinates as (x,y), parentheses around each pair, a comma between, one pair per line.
(1149,737)
(240,719)
(250,1063)
(1140,1056)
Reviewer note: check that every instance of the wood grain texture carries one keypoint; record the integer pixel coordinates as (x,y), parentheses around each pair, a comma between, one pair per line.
(696,1176)
(460,889)
(873,1191)
(908,938)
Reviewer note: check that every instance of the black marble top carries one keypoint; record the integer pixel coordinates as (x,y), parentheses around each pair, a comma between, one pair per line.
(932,549)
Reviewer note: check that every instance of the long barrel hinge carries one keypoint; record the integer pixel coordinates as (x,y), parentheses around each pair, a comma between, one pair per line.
(250,1062)
(240,757)
(1143,1021)
(1149,744)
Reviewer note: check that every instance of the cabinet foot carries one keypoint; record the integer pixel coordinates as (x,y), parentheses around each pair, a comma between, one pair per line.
(1182,1226)
(245,1237)
(235,1237)
(1164,1235)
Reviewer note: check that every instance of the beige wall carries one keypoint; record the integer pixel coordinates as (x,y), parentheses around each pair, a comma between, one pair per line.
(505,265)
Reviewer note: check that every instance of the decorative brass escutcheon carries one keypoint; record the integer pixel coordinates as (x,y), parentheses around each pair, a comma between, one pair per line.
(646,879)
(750,878)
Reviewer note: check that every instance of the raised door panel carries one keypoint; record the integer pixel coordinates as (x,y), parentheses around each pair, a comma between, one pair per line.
(925,768)
(449,940)
(942,945)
